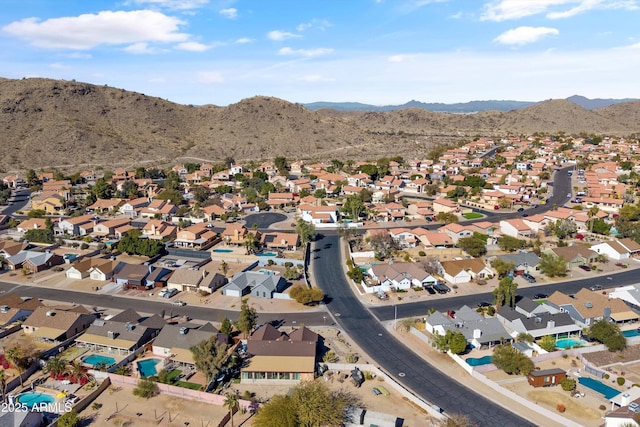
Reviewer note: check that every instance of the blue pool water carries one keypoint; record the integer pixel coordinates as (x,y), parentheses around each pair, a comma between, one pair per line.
(631,333)
(222,251)
(598,386)
(147,367)
(477,361)
(31,399)
(98,359)
(570,343)
(267,254)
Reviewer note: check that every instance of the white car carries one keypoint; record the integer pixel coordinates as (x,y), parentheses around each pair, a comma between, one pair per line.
(179,303)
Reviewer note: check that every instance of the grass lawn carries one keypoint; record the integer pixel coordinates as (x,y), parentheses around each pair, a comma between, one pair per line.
(173,375)
(472,215)
(187,384)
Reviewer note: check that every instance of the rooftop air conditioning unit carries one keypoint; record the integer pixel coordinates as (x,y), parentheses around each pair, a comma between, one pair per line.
(51,313)
(112,335)
(588,304)
(4,308)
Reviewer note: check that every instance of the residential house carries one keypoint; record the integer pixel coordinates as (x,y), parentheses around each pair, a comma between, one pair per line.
(530,308)
(9,248)
(212,212)
(404,237)
(278,358)
(14,309)
(280,241)
(55,324)
(122,334)
(82,268)
(32,224)
(235,234)
(540,325)
(445,206)
(255,283)
(457,231)
(197,236)
(576,255)
(75,226)
(160,208)
(478,330)
(465,270)
(318,214)
(399,275)
(433,239)
(50,203)
(131,207)
(278,200)
(158,229)
(587,307)
(158,277)
(626,415)
(104,205)
(104,272)
(523,262)
(516,228)
(174,342)
(33,261)
(619,249)
(546,377)
(187,280)
(111,227)
(132,275)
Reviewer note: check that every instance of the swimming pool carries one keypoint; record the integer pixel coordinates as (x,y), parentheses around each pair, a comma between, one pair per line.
(605,390)
(222,251)
(35,399)
(267,254)
(147,367)
(631,333)
(566,343)
(477,361)
(98,359)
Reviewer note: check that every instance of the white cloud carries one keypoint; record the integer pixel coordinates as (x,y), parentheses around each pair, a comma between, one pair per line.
(210,77)
(78,55)
(230,13)
(140,49)
(244,40)
(304,52)
(501,10)
(172,4)
(318,24)
(104,28)
(157,80)
(316,78)
(279,36)
(525,35)
(59,66)
(399,58)
(193,47)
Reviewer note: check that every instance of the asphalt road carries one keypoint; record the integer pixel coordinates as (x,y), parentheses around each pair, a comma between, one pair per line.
(20,200)
(392,355)
(155,305)
(263,220)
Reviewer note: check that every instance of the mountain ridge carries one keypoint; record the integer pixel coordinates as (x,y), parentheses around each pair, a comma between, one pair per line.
(73,125)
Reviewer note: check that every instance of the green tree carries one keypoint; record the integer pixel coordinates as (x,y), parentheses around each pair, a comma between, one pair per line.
(201,193)
(502,267)
(32,177)
(457,343)
(231,403)
(511,361)
(146,388)
(447,217)
(69,419)
(306,231)
(568,384)
(505,293)
(247,318)
(608,333)
(251,242)
(226,327)
(547,343)
(282,165)
(55,366)
(511,244)
(473,246)
(315,405)
(474,181)
(208,356)
(564,228)
(3,384)
(19,358)
(40,236)
(383,245)
(598,225)
(353,206)
(278,412)
(171,181)
(102,189)
(133,243)
(305,295)
(172,195)
(552,265)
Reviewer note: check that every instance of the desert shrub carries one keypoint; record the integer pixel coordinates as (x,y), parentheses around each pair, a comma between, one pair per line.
(606,376)
(422,253)
(620,380)
(560,407)
(351,358)
(602,408)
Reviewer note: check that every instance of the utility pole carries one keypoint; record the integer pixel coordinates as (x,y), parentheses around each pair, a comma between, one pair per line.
(395,316)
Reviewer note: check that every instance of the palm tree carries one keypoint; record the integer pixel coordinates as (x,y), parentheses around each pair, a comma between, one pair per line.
(16,356)
(123,370)
(231,402)
(250,242)
(55,366)
(77,372)
(3,384)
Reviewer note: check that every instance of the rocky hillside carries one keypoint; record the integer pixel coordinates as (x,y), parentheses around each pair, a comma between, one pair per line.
(72,125)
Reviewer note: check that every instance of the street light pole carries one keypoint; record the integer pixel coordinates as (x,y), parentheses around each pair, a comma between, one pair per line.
(395,316)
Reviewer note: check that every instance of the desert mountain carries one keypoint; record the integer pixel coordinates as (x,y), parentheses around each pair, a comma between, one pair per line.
(72,125)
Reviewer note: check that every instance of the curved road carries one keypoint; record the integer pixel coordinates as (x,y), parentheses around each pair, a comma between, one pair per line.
(390,354)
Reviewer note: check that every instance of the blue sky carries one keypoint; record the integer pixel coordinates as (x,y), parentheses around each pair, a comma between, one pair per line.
(373,51)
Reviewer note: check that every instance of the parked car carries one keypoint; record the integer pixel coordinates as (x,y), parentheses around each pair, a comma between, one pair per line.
(376,391)
(430,290)
(167,293)
(179,303)
(520,209)
(540,295)
(596,288)
(529,278)
(585,267)
(484,304)
(441,288)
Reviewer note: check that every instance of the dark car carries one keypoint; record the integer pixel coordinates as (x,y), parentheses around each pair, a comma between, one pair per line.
(529,278)
(596,288)
(524,215)
(484,304)
(585,267)
(520,209)
(430,290)
(441,288)
(540,295)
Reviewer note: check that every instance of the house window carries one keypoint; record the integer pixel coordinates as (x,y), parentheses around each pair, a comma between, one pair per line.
(295,375)
(247,375)
(546,379)
(258,375)
(283,376)
(272,375)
